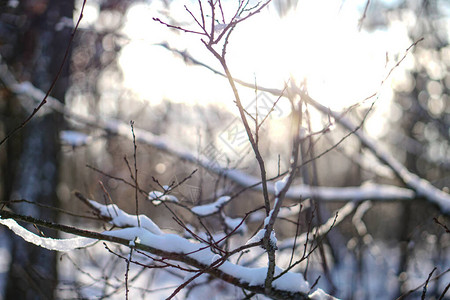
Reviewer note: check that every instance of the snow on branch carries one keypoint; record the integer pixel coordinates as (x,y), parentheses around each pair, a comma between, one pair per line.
(421,187)
(365,192)
(211,208)
(203,256)
(168,246)
(63,245)
(122,219)
(158,197)
(115,216)
(292,283)
(374,192)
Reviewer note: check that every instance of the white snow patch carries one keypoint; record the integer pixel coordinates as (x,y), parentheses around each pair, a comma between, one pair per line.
(45,242)
(122,219)
(292,282)
(209,209)
(257,237)
(157,197)
(279,185)
(260,235)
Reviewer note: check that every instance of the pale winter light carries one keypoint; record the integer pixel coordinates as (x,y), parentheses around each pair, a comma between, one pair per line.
(319,42)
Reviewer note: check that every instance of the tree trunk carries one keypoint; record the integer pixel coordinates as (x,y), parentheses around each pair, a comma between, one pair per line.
(32,155)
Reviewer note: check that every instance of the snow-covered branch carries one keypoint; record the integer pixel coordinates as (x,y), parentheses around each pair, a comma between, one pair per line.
(421,187)
(169,247)
(211,208)
(117,127)
(62,245)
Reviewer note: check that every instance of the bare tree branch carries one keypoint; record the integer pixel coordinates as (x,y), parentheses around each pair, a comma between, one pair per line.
(117,127)
(422,187)
(159,248)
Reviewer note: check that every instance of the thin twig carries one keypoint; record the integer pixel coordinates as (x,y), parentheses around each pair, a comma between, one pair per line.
(405,295)
(424,291)
(178,27)
(135,173)
(361,20)
(126,273)
(444,292)
(447,230)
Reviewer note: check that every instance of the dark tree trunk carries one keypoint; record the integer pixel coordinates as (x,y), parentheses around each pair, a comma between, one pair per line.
(32,272)
(36,49)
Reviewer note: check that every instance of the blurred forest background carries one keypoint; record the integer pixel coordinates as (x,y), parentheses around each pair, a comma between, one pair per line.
(391,252)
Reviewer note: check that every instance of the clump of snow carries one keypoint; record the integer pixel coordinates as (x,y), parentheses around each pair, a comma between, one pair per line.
(257,237)
(122,219)
(209,209)
(279,185)
(291,282)
(151,236)
(45,242)
(267,219)
(260,235)
(157,197)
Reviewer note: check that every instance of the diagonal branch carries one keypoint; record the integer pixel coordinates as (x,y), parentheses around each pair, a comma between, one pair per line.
(120,128)
(246,125)
(162,245)
(422,187)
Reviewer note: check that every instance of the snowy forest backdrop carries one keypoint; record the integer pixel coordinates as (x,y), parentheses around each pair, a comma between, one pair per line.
(363,216)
